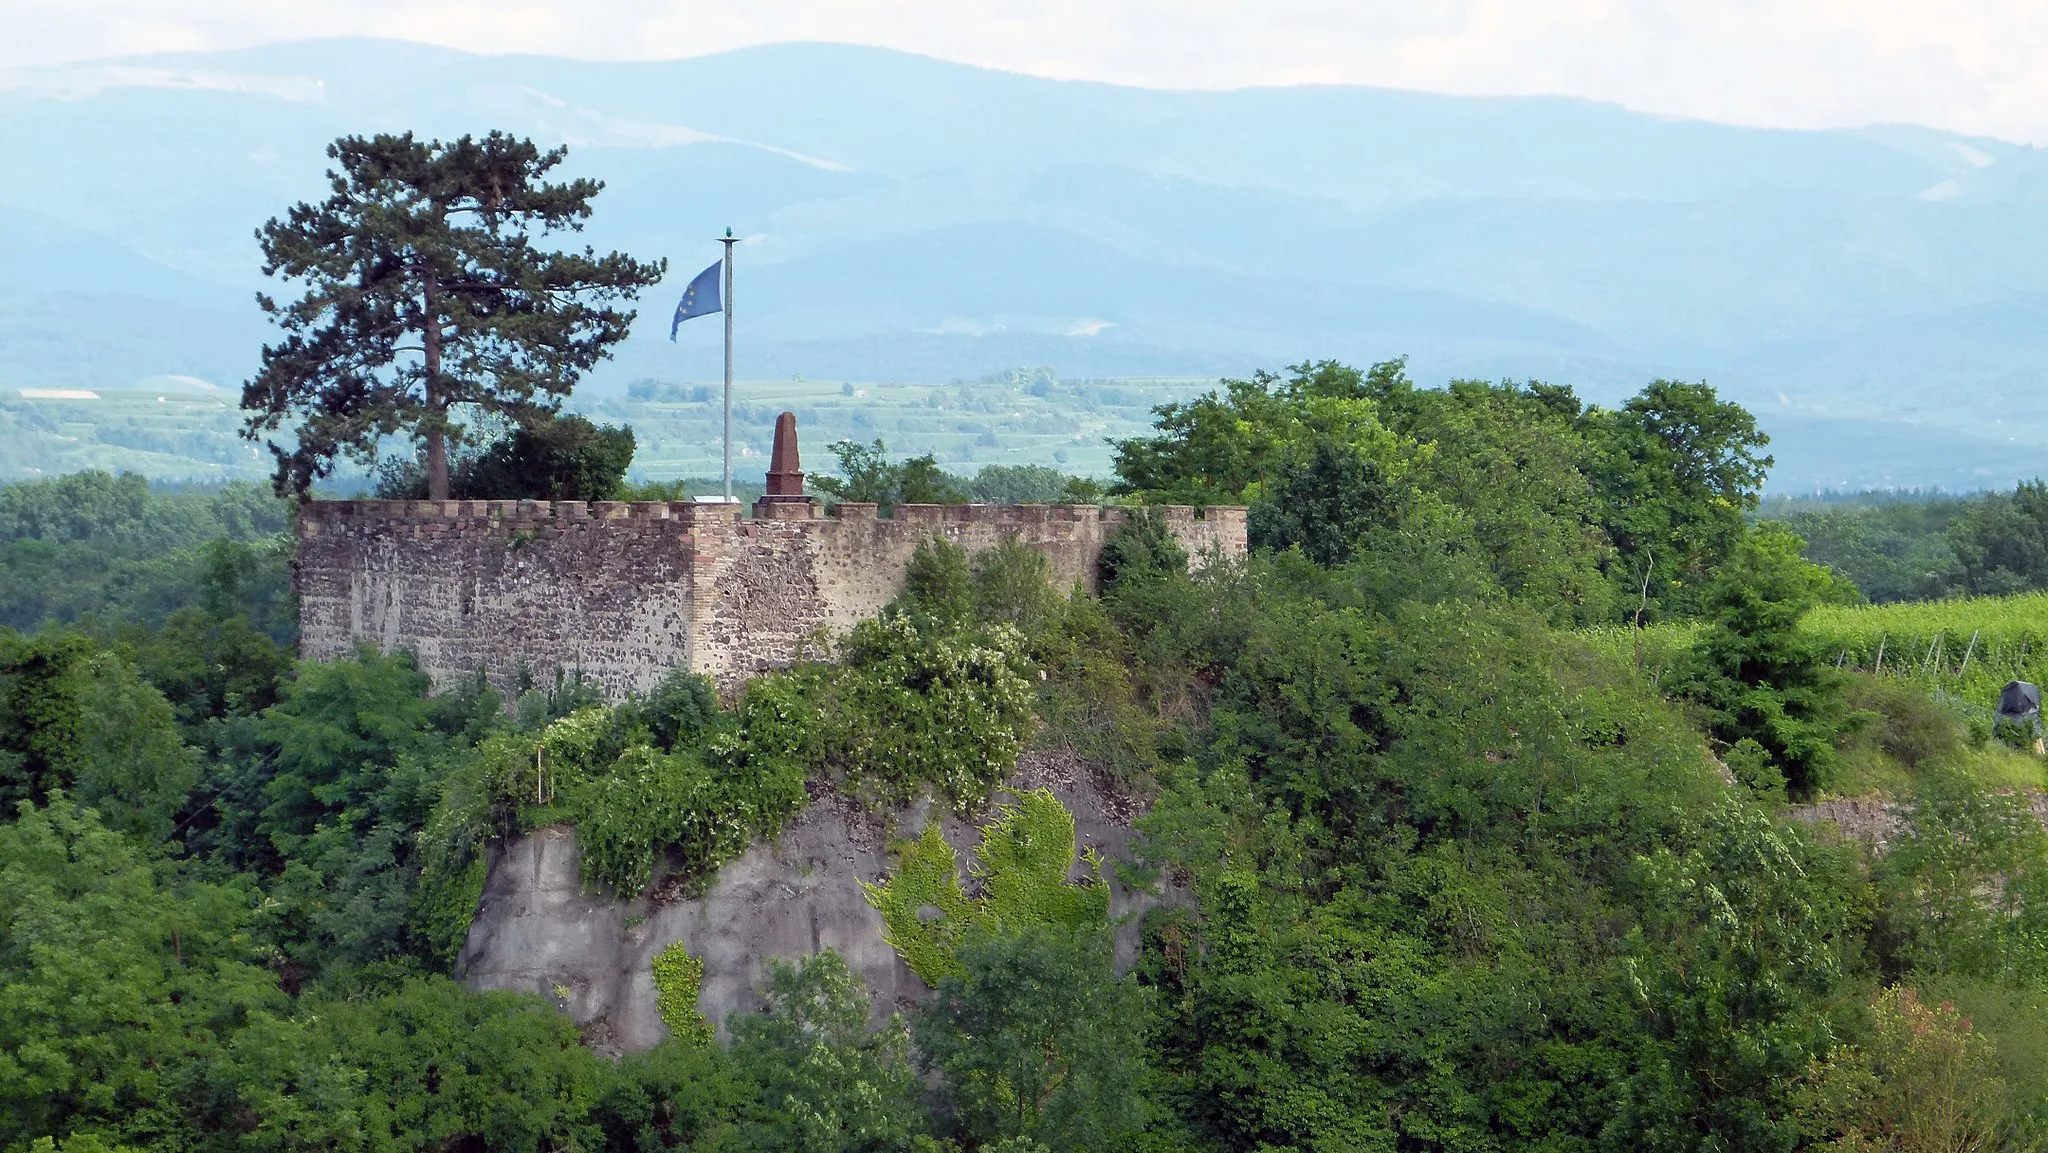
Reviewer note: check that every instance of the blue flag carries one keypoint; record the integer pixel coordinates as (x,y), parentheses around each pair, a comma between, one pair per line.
(700,299)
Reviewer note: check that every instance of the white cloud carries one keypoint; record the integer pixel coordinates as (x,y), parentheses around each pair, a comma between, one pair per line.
(1970,65)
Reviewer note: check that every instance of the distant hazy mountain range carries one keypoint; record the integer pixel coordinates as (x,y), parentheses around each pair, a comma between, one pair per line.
(1880,297)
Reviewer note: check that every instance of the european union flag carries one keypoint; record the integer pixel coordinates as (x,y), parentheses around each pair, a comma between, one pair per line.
(700,299)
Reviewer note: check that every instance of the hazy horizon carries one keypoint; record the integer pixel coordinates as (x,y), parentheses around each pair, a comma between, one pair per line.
(1967,68)
(1869,293)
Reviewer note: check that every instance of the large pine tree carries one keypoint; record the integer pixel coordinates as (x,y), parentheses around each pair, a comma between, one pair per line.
(427,300)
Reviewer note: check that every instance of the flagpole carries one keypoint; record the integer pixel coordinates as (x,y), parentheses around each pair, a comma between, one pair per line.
(728,240)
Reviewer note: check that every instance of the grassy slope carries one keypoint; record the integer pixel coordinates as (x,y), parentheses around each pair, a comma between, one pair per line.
(1959,653)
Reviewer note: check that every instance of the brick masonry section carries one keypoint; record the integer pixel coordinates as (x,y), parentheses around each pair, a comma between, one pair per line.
(623,592)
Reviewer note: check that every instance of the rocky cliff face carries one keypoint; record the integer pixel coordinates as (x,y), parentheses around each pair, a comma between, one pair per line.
(1877,821)
(539,931)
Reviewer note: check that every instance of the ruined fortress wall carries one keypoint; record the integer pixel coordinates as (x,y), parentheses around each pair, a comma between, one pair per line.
(500,586)
(625,591)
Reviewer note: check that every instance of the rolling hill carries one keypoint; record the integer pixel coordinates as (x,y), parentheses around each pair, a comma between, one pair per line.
(1873,294)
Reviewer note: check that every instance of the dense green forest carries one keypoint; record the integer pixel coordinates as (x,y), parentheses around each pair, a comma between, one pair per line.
(1477,770)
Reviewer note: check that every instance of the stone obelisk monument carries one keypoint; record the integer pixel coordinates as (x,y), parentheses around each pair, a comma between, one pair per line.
(785,499)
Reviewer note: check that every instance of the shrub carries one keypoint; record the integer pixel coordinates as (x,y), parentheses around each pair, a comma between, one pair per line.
(1909,723)
(1924,1081)
(551,457)
(1013,586)
(629,800)
(1142,552)
(936,585)
(1759,676)
(916,708)
(682,706)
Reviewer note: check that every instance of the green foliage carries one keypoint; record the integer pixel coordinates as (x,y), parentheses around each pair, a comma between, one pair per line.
(1142,553)
(1909,725)
(1396,835)
(675,1096)
(2001,542)
(327,793)
(670,774)
(920,480)
(923,905)
(1961,650)
(703,799)
(1675,469)
(947,709)
(1564,508)
(1020,484)
(1923,1080)
(210,668)
(1020,871)
(658,490)
(434,242)
(680,709)
(1038,1039)
(1759,675)
(1964,886)
(76,1143)
(1891,546)
(827,1084)
(1021,867)
(867,475)
(1217,448)
(1330,503)
(441,1066)
(864,474)
(547,456)
(643,802)
(114,548)
(122,975)
(444,905)
(1752,767)
(1502,474)
(678,978)
(1747,932)
(77,718)
(1012,585)
(936,584)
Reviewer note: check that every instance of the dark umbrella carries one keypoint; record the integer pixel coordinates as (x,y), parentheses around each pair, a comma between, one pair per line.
(2018,701)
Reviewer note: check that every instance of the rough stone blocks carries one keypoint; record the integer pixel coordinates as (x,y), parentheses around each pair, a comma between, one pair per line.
(522,591)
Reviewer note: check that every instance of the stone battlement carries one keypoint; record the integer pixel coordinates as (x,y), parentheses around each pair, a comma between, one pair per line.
(623,591)
(515,513)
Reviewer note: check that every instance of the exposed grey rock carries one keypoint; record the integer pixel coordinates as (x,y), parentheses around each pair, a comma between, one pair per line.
(539,931)
(1872,820)
(1876,821)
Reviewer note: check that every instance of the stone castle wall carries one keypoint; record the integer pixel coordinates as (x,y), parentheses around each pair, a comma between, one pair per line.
(623,592)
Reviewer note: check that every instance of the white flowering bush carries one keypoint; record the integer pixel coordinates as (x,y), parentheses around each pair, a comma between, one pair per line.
(944,707)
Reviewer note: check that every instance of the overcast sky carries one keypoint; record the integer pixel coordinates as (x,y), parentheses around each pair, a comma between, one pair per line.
(1970,65)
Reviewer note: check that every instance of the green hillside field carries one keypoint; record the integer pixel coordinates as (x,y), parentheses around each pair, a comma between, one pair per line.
(1023,417)
(1958,652)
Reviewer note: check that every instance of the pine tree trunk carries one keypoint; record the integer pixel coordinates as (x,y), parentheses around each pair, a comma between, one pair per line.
(437,465)
(437,440)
